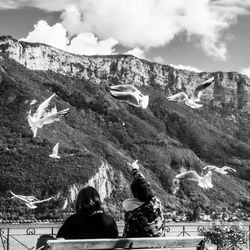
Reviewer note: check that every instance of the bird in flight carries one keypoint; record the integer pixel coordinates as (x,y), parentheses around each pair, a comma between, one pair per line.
(130,94)
(29,201)
(223,170)
(192,102)
(55,152)
(203,181)
(42,117)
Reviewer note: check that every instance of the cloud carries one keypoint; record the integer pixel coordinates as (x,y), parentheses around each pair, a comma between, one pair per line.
(55,35)
(83,43)
(146,23)
(190,68)
(246,71)
(136,52)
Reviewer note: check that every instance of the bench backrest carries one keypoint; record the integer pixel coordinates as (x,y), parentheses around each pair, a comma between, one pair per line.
(130,243)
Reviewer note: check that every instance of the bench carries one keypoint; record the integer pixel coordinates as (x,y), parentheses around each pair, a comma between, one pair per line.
(128,243)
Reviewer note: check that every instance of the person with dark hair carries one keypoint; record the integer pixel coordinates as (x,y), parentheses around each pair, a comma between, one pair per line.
(90,221)
(143,212)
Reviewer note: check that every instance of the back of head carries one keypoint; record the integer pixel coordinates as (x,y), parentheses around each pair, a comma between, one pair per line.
(141,190)
(88,200)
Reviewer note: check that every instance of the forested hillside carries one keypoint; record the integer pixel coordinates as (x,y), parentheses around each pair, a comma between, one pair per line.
(98,129)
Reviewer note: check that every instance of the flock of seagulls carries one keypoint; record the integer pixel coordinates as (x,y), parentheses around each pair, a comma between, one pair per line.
(42,116)
(134,97)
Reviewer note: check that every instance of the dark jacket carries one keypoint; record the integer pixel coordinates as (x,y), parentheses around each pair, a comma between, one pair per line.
(146,220)
(84,226)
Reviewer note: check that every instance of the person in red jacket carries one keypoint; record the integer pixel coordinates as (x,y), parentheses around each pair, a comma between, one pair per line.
(143,212)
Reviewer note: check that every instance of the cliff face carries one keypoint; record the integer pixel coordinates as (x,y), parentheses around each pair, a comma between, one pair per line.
(230,88)
(100,134)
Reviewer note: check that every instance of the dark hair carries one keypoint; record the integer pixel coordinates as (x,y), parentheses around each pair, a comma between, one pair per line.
(141,190)
(88,200)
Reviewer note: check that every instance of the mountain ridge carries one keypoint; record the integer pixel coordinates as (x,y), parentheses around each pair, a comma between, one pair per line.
(101,130)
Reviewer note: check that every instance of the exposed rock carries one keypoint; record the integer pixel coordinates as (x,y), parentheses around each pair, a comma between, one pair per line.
(230,88)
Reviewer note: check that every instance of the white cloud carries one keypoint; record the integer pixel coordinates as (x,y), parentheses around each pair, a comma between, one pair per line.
(246,71)
(148,23)
(190,68)
(159,59)
(55,35)
(136,52)
(83,44)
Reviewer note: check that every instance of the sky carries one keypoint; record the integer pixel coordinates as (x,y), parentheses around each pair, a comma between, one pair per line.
(199,35)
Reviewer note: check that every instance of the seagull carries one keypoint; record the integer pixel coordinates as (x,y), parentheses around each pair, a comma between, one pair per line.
(42,117)
(55,152)
(222,170)
(130,94)
(203,181)
(29,201)
(195,97)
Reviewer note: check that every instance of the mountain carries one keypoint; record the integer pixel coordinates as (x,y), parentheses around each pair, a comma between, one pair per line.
(100,134)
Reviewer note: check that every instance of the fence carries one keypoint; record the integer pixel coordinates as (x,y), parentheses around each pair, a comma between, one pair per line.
(24,236)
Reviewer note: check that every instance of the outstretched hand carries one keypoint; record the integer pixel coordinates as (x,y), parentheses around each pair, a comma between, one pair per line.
(133,165)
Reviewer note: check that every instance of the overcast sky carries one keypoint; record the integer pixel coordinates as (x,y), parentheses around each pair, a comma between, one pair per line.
(201,35)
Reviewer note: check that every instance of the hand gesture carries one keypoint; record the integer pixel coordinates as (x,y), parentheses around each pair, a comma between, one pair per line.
(134,165)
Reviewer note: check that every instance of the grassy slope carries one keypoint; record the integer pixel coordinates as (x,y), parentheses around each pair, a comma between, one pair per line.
(164,137)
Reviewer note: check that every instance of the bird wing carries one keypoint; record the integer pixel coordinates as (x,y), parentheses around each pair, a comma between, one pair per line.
(20,197)
(55,149)
(125,88)
(200,89)
(130,98)
(210,167)
(192,175)
(42,107)
(32,124)
(51,118)
(228,168)
(40,201)
(182,96)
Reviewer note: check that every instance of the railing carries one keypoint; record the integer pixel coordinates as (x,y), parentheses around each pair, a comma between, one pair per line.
(24,236)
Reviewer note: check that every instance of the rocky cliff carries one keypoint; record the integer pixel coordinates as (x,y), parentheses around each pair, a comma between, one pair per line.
(100,134)
(230,88)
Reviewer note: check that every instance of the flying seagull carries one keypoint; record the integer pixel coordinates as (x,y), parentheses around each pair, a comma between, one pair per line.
(195,97)
(130,94)
(55,152)
(29,201)
(203,181)
(223,170)
(42,117)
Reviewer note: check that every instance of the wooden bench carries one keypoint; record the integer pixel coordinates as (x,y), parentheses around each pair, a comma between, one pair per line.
(128,243)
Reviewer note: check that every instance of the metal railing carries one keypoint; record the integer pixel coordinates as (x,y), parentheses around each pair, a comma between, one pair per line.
(24,236)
